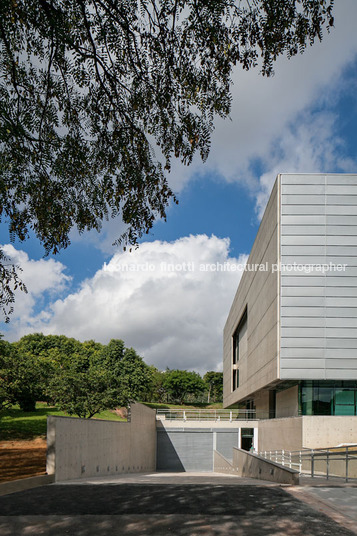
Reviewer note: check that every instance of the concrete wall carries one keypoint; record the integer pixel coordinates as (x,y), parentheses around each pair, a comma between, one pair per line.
(328,431)
(287,402)
(312,432)
(261,400)
(84,447)
(222,465)
(235,424)
(258,291)
(319,310)
(251,465)
(278,434)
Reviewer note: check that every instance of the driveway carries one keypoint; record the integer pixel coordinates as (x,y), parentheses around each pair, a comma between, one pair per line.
(162,505)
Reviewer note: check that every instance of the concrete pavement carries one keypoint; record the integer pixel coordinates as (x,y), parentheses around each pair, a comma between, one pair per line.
(334,498)
(160,504)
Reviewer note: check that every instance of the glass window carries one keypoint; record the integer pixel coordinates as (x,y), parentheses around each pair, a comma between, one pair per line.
(345,402)
(328,397)
(345,397)
(324,402)
(343,409)
(306,398)
(247,432)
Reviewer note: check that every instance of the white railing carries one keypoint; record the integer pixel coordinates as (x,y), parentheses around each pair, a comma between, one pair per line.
(205,414)
(330,462)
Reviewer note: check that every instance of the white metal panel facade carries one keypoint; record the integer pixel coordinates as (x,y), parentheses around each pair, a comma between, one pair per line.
(318,326)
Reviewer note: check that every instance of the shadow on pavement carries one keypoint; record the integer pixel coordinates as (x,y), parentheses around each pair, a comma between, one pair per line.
(184,510)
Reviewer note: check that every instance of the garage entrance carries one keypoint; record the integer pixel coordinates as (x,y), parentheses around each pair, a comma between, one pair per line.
(191,449)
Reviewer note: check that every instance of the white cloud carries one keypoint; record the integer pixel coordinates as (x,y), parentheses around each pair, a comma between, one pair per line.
(42,277)
(309,147)
(263,109)
(172,315)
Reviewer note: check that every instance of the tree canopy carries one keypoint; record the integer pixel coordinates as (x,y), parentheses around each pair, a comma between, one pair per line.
(98,96)
(214,383)
(80,378)
(84,378)
(6,397)
(179,383)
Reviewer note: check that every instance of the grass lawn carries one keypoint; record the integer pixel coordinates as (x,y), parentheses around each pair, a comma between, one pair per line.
(19,425)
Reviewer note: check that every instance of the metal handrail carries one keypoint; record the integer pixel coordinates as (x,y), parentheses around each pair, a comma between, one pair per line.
(305,460)
(205,414)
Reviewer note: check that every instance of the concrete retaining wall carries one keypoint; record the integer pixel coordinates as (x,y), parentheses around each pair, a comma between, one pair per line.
(295,433)
(83,447)
(246,464)
(251,465)
(320,431)
(222,465)
(280,434)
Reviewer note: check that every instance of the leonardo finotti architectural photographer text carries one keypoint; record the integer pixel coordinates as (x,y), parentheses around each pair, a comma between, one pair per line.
(232,267)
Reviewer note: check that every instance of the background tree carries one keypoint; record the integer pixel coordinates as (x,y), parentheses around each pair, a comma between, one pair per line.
(80,378)
(130,377)
(180,383)
(81,387)
(6,395)
(38,344)
(156,391)
(89,89)
(27,367)
(214,385)
(33,362)
(99,377)
(27,376)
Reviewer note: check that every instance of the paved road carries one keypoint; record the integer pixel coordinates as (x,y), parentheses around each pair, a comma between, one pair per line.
(162,505)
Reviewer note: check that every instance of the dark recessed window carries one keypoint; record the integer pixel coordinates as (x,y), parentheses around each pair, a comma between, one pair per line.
(239,348)
(237,337)
(235,379)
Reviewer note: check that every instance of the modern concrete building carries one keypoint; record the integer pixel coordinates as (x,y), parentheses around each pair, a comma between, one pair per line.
(290,340)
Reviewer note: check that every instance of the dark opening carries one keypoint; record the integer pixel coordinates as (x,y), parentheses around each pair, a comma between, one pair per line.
(247,436)
(272,404)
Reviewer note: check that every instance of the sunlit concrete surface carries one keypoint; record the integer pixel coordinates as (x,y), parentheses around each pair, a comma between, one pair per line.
(170,478)
(337,500)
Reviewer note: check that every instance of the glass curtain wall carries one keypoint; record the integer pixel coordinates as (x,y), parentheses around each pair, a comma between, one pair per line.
(319,397)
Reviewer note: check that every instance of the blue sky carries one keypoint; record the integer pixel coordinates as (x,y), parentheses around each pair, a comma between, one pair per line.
(301,120)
